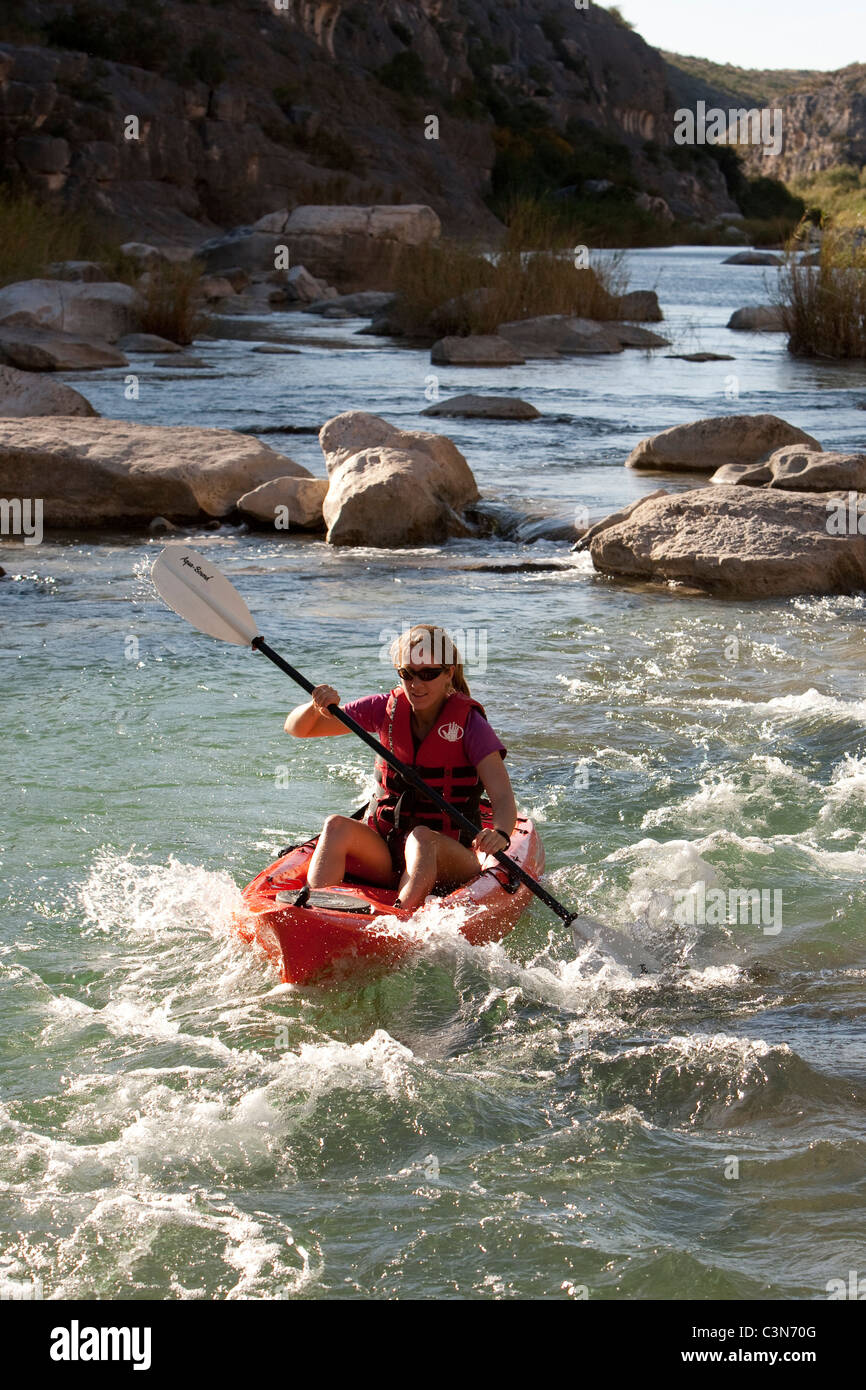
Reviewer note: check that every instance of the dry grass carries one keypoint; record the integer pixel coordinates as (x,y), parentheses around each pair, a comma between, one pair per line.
(33,234)
(171,301)
(451,288)
(825,305)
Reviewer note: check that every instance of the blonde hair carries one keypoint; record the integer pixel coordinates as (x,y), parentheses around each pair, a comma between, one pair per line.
(424,642)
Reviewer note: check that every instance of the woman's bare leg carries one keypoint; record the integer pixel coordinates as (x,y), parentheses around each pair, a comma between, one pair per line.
(432,858)
(346,843)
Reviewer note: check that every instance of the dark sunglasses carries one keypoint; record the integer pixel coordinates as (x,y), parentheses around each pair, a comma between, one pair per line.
(426,673)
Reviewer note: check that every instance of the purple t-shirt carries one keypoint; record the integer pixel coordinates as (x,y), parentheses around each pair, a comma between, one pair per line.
(479,739)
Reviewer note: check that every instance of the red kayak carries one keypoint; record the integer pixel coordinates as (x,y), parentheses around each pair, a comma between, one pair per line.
(329,932)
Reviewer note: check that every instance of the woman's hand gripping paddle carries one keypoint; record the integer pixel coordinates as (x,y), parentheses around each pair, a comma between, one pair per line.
(201,594)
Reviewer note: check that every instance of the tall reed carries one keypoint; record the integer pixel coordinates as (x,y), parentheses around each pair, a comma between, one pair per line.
(824,305)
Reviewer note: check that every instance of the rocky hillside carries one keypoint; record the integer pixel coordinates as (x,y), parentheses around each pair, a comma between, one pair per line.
(176,117)
(824,113)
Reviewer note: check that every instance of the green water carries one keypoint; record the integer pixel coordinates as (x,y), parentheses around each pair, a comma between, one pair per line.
(519,1120)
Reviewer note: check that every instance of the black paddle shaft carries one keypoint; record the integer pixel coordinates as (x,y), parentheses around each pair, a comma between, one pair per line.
(260,645)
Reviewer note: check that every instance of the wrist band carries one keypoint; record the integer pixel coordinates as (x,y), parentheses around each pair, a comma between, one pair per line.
(506,838)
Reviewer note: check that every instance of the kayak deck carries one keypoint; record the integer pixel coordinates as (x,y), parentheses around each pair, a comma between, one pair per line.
(354,922)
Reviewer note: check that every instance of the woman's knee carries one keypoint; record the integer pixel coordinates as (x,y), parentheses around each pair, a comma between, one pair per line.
(338,827)
(421,835)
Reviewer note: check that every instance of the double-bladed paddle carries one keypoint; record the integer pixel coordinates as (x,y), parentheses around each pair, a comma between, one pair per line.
(201,594)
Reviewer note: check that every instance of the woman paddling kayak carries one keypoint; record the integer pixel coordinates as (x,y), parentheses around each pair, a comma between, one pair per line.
(430,721)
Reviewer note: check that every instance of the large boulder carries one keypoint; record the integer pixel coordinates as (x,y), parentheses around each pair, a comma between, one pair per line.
(37,350)
(472,407)
(555,335)
(800,470)
(93,473)
(614,518)
(354,248)
(392,487)
(96,310)
(303,288)
(758,318)
(28,393)
(287,504)
(477,350)
(735,541)
(702,446)
(640,306)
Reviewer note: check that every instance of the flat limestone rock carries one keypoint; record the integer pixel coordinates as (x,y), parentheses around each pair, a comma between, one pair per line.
(753,258)
(96,473)
(557,335)
(801,470)
(735,541)
(28,393)
(147,342)
(474,407)
(630,336)
(35,350)
(287,504)
(705,445)
(97,310)
(477,350)
(701,357)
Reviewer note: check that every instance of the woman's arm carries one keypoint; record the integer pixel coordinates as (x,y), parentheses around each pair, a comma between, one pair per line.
(313,720)
(497,785)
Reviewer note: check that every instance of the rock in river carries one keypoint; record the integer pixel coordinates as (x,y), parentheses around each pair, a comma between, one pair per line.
(287,504)
(94,473)
(476,350)
(100,310)
(704,445)
(392,487)
(471,407)
(735,541)
(28,393)
(758,318)
(800,470)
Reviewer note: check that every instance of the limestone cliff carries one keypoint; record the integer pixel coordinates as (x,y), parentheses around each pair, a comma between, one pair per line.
(175,116)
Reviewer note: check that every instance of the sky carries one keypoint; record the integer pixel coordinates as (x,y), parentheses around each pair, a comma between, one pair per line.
(755,33)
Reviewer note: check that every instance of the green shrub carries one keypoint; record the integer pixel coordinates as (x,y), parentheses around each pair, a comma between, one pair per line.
(536,161)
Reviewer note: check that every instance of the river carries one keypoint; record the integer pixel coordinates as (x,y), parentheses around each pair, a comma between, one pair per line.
(521,1120)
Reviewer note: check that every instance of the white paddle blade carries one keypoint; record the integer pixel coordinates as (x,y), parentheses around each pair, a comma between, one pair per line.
(199,592)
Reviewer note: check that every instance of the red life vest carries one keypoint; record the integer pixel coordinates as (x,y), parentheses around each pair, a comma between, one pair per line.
(440,759)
